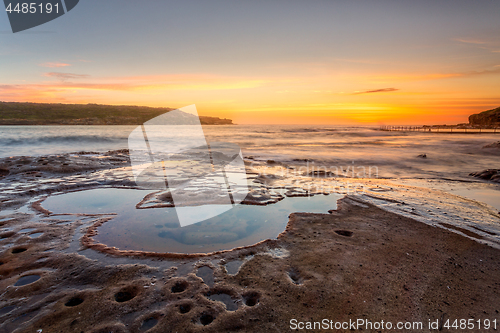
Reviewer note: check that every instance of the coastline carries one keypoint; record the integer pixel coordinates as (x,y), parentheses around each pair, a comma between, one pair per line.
(33,114)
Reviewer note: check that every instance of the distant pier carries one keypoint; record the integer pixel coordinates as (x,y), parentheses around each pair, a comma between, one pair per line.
(442,129)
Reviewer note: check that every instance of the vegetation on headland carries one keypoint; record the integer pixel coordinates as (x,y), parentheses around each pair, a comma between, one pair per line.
(486,118)
(14,113)
(484,122)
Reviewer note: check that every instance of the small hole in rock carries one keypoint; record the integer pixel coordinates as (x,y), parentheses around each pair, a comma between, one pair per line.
(149,323)
(184,308)
(232,267)
(295,276)
(251,299)
(6,309)
(74,301)
(123,296)
(111,329)
(19,250)
(179,287)
(346,233)
(207,275)
(225,298)
(206,319)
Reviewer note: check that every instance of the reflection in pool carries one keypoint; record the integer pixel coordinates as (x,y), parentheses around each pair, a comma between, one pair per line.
(158,230)
(27,279)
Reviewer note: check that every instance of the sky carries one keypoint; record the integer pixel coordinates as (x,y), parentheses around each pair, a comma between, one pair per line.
(265,62)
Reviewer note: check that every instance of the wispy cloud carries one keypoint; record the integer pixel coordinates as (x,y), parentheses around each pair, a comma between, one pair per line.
(70,84)
(66,76)
(470,41)
(188,82)
(54,64)
(361,61)
(490,45)
(375,91)
(480,72)
(29,92)
(435,76)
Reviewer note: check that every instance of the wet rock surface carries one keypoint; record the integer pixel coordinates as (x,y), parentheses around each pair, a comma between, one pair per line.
(311,271)
(27,176)
(490,174)
(357,262)
(493,145)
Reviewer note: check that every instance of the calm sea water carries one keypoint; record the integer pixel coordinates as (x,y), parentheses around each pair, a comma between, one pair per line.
(393,154)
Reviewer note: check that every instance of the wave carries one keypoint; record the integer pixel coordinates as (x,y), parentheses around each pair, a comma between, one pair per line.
(309,130)
(60,139)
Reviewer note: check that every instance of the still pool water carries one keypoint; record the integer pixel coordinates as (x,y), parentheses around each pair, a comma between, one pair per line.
(158,229)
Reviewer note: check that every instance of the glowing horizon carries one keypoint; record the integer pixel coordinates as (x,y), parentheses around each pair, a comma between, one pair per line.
(428,64)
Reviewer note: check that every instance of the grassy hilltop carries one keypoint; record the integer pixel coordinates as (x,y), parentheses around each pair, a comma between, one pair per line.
(486,118)
(13,113)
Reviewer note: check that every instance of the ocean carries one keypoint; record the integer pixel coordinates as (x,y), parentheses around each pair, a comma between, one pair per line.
(394,154)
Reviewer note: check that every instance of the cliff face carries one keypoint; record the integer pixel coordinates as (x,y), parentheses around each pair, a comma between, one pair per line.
(12,113)
(486,118)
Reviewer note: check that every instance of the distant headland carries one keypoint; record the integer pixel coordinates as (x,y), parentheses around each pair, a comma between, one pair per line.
(484,122)
(486,118)
(15,113)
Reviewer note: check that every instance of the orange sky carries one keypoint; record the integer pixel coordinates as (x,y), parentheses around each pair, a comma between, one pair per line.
(331,63)
(396,98)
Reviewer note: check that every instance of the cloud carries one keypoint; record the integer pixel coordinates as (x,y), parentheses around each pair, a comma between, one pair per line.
(361,61)
(54,64)
(489,45)
(170,82)
(66,76)
(434,76)
(9,87)
(481,72)
(29,92)
(69,84)
(470,41)
(375,91)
